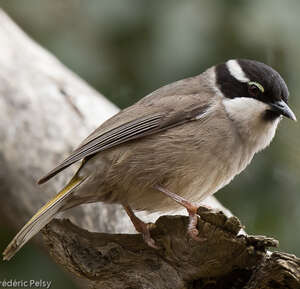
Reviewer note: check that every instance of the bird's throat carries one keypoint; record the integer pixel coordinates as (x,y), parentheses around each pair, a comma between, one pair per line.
(255,124)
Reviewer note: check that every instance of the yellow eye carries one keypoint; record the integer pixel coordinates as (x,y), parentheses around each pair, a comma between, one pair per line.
(253,85)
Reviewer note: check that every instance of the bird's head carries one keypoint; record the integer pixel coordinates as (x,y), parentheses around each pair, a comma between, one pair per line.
(243,81)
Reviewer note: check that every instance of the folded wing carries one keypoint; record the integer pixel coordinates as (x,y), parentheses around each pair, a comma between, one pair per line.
(161,117)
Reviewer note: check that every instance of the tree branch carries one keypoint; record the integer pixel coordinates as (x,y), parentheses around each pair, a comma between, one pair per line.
(225,259)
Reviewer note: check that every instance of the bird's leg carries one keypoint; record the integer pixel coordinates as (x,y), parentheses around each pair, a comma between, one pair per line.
(140,226)
(191,208)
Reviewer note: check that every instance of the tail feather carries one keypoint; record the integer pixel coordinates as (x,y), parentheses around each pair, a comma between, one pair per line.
(42,217)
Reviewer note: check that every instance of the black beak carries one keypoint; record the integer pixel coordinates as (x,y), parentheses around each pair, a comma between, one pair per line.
(282,108)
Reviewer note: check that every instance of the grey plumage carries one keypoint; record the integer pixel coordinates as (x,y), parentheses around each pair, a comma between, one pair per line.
(190,137)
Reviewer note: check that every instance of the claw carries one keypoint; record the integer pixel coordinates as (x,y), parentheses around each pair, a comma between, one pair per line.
(192,227)
(141,227)
(147,237)
(192,211)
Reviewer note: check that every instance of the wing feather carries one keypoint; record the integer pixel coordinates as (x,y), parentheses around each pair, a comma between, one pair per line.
(162,117)
(121,134)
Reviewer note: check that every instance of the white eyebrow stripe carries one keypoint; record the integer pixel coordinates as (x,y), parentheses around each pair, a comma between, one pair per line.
(236,71)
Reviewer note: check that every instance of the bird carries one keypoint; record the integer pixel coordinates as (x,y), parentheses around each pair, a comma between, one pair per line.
(173,148)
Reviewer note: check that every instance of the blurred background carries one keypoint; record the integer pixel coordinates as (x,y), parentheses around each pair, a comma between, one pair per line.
(128,48)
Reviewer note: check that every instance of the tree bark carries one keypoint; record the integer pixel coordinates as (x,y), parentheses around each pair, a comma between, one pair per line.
(222,259)
(46,111)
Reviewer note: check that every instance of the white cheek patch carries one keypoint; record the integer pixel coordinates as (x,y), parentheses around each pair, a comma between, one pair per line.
(247,115)
(236,71)
(244,108)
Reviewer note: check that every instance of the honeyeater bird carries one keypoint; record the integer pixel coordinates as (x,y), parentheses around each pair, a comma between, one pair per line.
(174,147)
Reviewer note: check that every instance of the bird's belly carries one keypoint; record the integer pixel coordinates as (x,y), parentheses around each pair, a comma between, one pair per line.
(194,182)
(194,190)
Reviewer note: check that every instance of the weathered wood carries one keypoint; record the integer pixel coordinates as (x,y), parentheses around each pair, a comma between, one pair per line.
(225,259)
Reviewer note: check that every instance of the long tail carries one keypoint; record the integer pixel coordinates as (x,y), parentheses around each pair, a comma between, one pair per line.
(42,217)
